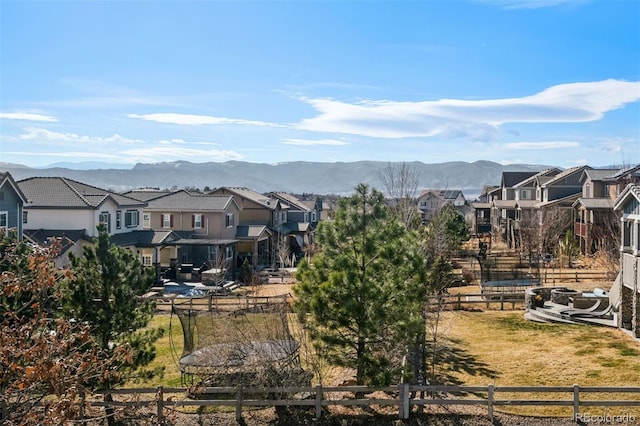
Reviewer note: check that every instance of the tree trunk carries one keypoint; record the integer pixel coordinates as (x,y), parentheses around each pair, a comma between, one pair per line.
(108,410)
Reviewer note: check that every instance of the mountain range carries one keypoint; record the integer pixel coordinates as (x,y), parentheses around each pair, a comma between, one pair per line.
(293,177)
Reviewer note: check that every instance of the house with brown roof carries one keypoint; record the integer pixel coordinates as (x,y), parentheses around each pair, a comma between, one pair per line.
(58,203)
(12,201)
(69,211)
(261,221)
(206,226)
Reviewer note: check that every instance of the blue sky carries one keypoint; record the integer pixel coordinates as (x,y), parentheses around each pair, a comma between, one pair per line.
(554,82)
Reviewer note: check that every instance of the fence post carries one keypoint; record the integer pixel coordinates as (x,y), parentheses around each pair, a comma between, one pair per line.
(403,404)
(459,304)
(83,400)
(318,401)
(239,398)
(502,301)
(490,390)
(576,401)
(159,404)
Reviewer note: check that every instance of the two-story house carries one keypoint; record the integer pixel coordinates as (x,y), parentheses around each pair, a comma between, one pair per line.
(261,222)
(60,203)
(12,202)
(594,218)
(71,211)
(528,193)
(301,221)
(555,209)
(430,201)
(627,285)
(205,224)
(503,204)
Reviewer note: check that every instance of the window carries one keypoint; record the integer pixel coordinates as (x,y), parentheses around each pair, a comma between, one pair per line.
(229,221)
(105,217)
(525,194)
(4,220)
(313,217)
(283,217)
(131,218)
(146,220)
(118,219)
(24,217)
(167,221)
(228,252)
(306,217)
(196,220)
(146,260)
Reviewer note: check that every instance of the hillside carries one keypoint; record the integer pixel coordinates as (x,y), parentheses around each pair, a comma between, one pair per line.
(295,177)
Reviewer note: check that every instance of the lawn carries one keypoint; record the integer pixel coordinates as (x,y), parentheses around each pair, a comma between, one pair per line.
(505,349)
(502,348)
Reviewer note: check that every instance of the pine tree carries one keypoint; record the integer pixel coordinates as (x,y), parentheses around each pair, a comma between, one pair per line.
(361,296)
(105,293)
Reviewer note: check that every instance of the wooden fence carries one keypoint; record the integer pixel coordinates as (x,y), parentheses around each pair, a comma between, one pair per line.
(403,396)
(449,301)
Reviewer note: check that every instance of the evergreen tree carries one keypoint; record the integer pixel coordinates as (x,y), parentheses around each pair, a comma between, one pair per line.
(105,293)
(361,296)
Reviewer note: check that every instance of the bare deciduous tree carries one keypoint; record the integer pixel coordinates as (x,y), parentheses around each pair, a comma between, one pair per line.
(400,181)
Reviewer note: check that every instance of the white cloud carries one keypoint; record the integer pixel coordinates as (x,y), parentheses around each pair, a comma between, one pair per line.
(541,145)
(474,119)
(27,116)
(120,148)
(47,135)
(196,120)
(309,142)
(154,154)
(618,144)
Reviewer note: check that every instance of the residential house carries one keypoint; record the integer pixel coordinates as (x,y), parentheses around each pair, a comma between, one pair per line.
(261,222)
(503,204)
(620,180)
(155,248)
(12,201)
(58,203)
(70,211)
(301,221)
(528,194)
(555,209)
(205,224)
(70,242)
(627,285)
(430,201)
(482,213)
(594,218)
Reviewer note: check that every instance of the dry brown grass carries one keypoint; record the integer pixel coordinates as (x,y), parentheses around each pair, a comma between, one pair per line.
(524,353)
